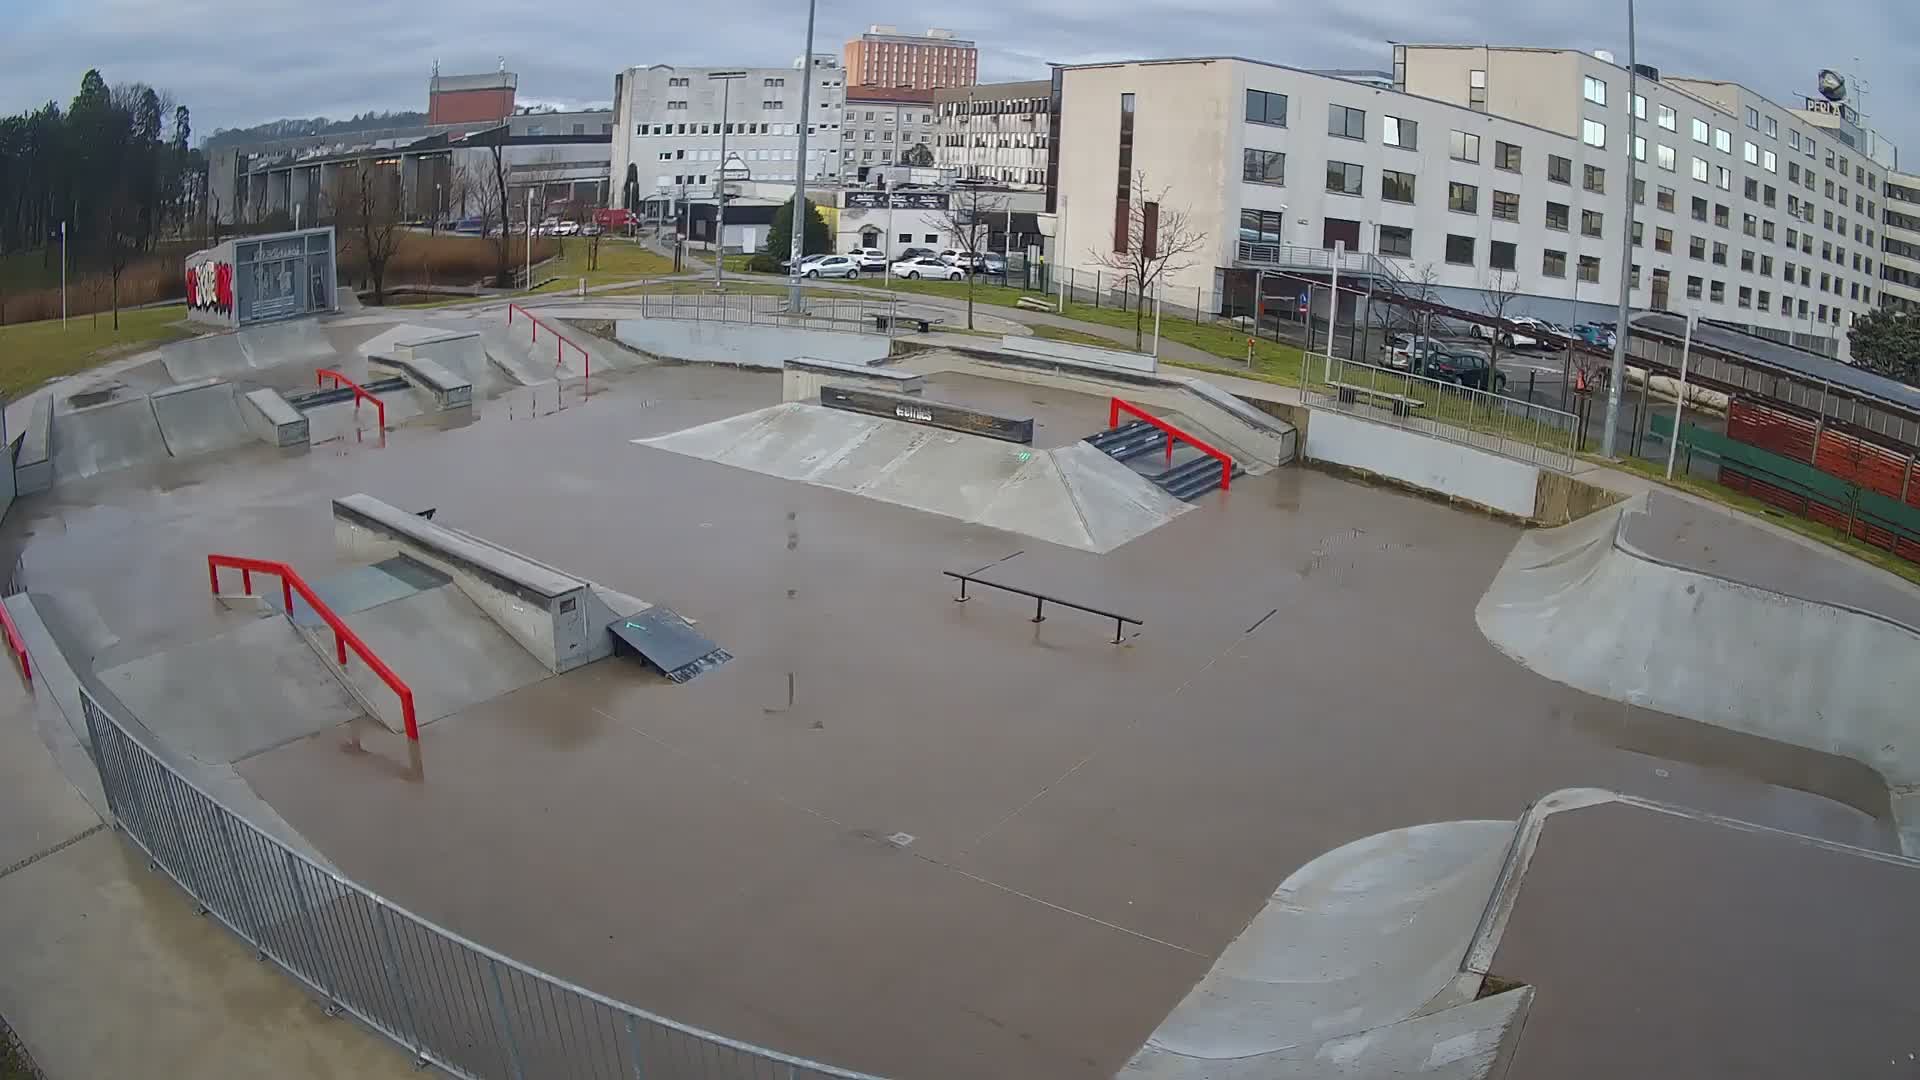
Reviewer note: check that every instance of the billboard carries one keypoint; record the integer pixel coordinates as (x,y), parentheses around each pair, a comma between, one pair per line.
(897,200)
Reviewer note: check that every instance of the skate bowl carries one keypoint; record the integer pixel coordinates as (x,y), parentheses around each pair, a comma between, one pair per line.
(1597,606)
(747,346)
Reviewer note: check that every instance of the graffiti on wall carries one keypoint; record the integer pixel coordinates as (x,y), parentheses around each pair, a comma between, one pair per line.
(210,286)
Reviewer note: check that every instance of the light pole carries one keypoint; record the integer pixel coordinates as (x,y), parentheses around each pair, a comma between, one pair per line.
(529,239)
(1616,373)
(799,223)
(725,79)
(63,275)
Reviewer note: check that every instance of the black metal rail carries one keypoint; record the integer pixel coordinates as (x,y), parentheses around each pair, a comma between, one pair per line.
(1040,602)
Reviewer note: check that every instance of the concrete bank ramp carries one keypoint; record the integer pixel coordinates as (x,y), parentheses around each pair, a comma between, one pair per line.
(1074,496)
(100,438)
(1582,605)
(1327,979)
(201,417)
(236,352)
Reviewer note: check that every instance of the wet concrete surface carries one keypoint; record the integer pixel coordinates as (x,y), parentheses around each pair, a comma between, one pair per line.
(1077,829)
(1669,947)
(1686,534)
(1060,418)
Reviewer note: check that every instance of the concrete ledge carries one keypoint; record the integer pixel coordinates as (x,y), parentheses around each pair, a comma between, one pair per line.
(805,375)
(1064,366)
(1088,355)
(449,391)
(32,460)
(269,416)
(1425,463)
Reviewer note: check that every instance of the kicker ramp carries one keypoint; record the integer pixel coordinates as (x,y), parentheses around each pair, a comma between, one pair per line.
(447,364)
(200,417)
(1583,606)
(559,618)
(101,438)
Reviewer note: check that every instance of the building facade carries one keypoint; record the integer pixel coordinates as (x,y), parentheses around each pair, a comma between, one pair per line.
(996,132)
(471,99)
(883,128)
(668,126)
(883,56)
(1900,242)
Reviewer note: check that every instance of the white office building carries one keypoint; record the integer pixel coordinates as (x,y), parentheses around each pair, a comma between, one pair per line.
(668,123)
(996,132)
(884,128)
(1900,246)
(1492,173)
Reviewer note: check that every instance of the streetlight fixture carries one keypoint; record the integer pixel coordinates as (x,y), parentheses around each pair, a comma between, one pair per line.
(799,222)
(1616,373)
(726,80)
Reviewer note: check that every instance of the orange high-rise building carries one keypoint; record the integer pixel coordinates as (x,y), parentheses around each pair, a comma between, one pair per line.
(883,56)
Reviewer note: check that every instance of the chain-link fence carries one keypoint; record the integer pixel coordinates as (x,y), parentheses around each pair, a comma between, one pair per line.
(452,1003)
(1447,410)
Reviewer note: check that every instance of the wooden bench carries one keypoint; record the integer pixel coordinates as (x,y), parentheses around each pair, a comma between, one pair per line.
(925,323)
(1034,303)
(1401,404)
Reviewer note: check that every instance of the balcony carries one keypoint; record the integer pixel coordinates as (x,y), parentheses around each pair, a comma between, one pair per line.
(1295,257)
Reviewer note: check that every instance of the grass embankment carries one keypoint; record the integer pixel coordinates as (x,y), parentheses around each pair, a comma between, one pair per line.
(1812,530)
(14,1063)
(619,260)
(32,353)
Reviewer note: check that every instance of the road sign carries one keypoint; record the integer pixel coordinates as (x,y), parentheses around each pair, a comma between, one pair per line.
(1306,298)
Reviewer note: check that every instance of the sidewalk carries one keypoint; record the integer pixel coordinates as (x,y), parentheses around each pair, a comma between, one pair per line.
(109,972)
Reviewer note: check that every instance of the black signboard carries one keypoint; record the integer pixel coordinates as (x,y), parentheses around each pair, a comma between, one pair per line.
(917,410)
(901,200)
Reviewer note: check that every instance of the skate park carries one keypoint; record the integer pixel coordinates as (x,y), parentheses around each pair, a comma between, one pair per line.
(1371,783)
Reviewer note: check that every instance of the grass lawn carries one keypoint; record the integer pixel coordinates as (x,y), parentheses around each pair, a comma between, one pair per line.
(32,353)
(14,1064)
(1077,337)
(1813,530)
(620,260)
(757,287)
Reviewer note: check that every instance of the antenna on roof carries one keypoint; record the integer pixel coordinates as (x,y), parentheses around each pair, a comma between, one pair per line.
(503,65)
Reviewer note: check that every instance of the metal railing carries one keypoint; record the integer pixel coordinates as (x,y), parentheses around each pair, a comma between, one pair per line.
(1040,602)
(450,1002)
(360,393)
(865,315)
(1508,426)
(1296,257)
(1115,407)
(560,342)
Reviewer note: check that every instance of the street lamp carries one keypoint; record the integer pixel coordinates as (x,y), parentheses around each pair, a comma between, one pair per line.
(799,221)
(725,79)
(1616,373)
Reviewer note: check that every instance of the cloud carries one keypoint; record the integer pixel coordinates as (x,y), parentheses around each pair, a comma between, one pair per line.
(238,62)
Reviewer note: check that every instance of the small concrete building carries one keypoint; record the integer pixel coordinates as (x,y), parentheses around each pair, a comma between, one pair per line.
(256,279)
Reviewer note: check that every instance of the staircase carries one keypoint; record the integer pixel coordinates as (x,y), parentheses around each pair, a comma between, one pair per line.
(1192,474)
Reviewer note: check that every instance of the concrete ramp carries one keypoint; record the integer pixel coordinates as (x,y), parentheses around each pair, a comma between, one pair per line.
(1073,496)
(201,417)
(1357,941)
(212,356)
(101,438)
(295,341)
(1583,606)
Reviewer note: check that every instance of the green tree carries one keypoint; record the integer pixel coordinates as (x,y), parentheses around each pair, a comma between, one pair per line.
(1888,342)
(779,245)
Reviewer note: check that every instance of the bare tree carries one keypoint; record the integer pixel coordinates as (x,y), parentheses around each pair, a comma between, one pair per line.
(1502,287)
(968,218)
(581,212)
(484,183)
(1158,241)
(366,209)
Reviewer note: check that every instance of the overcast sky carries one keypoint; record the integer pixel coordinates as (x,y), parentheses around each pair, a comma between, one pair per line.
(239,62)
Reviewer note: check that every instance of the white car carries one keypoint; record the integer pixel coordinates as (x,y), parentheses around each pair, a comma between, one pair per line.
(869,258)
(1512,339)
(928,268)
(845,266)
(805,261)
(1406,352)
(567,228)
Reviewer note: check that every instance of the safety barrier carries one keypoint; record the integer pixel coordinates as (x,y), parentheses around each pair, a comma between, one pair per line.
(343,635)
(1510,427)
(17,644)
(1115,407)
(450,1002)
(560,342)
(360,393)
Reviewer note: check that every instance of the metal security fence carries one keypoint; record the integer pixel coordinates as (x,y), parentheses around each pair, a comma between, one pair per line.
(452,1003)
(867,315)
(1508,426)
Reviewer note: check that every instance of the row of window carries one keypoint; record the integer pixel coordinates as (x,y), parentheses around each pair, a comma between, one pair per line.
(755,128)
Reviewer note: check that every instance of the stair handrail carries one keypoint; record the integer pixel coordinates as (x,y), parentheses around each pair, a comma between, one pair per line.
(321,375)
(343,635)
(1116,406)
(560,339)
(17,644)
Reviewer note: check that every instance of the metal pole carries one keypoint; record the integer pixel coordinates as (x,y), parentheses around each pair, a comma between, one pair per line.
(799,223)
(1156,321)
(720,187)
(1680,402)
(1333,302)
(1618,371)
(529,239)
(63,275)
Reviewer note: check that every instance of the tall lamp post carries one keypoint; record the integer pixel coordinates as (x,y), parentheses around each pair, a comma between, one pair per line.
(1616,373)
(725,79)
(799,222)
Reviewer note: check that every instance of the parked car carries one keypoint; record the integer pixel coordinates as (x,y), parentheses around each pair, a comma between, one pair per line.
(1596,334)
(1463,368)
(1515,337)
(928,267)
(1405,351)
(909,254)
(984,262)
(805,261)
(869,258)
(566,228)
(845,266)
(591,229)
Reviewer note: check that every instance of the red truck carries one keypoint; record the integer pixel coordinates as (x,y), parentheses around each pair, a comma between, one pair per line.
(615,220)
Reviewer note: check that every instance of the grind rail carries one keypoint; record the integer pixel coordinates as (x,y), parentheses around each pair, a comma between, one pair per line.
(1116,406)
(560,340)
(360,393)
(1040,602)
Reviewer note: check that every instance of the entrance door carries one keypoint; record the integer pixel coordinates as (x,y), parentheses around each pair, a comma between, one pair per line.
(1660,282)
(1337,229)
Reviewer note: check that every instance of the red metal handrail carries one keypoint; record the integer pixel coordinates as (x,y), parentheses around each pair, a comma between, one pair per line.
(343,635)
(1116,407)
(321,375)
(17,643)
(560,339)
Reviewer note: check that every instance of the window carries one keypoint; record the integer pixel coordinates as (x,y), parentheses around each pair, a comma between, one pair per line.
(1666,119)
(1700,131)
(1793,172)
(1829,189)
(1346,123)
(1506,156)
(1697,248)
(1719,253)
(1344,178)
(1595,180)
(1639,148)
(1261,226)
(1396,186)
(1557,216)
(1722,141)
(1395,240)
(1664,156)
(1793,139)
(1749,225)
(1639,192)
(1663,199)
(1663,240)
(1639,234)
(1596,90)
(1721,215)
(1753,118)
(1773,128)
(1590,221)
(1750,188)
(1553,263)
(1263,167)
(1459,250)
(1266,108)
(1699,209)
(1506,206)
(1476,94)
(1593,133)
(1695,286)
(1590,268)
(1633,276)
(1750,153)
(1639,107)
(1123,194)
(1769,196)
(1770,161)
(1463,147)
(1464,198)
(1559,169)
(1717,292)
(1404,134)
(1700,170)
(1501,255)
(1766,298)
